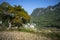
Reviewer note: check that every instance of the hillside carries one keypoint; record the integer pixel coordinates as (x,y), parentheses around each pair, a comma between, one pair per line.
(47,17)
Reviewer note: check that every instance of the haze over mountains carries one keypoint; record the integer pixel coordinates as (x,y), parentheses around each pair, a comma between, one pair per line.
(47,17)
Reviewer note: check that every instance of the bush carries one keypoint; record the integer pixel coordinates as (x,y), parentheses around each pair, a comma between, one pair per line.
(26,30)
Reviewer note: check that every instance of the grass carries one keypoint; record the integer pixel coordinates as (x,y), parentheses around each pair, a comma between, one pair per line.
(49,33)
(52,33)
(26,30)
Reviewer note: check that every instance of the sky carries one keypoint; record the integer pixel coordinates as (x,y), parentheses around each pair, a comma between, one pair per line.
(30,5)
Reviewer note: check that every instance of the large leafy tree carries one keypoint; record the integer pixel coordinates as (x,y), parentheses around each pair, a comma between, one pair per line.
(16,14)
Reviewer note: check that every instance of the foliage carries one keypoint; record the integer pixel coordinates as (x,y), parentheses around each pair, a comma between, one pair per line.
(16,14)
(26,30)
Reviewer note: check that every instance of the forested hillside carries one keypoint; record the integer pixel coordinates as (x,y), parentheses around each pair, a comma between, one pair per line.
(47,17)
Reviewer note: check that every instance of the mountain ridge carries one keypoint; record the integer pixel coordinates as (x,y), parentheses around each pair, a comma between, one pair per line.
(49,16)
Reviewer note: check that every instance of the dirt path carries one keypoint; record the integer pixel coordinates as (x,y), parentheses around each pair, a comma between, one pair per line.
(16,35)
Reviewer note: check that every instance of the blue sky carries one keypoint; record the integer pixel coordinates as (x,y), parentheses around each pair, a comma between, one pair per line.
(30,5)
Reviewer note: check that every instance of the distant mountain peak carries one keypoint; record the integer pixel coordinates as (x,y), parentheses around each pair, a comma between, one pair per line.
(57,5)
(47,17)
(40,11)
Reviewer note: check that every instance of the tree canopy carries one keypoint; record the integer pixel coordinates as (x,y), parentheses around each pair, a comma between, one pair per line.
(16,14)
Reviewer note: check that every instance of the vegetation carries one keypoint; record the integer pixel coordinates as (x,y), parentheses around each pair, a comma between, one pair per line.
(16,15)
(23,33)
(47,20)
(47,17)
(27,30)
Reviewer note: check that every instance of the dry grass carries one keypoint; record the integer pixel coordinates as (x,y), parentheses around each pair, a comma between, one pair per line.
(29,34)
(16,35)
